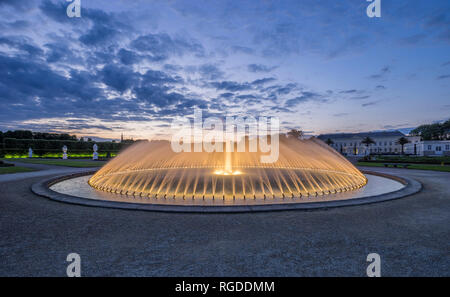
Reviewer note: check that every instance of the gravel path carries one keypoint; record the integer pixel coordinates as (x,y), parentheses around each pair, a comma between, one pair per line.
(412,236)
(42,170)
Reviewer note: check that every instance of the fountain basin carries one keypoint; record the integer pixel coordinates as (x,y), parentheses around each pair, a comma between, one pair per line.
(76,190)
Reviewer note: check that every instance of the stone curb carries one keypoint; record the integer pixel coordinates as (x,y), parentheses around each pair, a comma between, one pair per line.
(42,188)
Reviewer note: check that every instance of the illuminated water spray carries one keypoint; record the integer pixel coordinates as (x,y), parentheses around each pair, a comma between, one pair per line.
(305,168)
(227,170)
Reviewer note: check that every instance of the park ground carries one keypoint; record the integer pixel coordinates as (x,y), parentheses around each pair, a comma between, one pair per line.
(436,163)
(411,235)
(434,167)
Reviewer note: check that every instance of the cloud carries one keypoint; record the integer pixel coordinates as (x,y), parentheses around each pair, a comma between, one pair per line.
(360,97)
(304,97)
(226,95)
(159,47)
(19,5)
(56,11)
(231,86)
(443,76)
(31,89)
(60,52)
(120,78)
(39,91)
(263,81)
(282,90)
(382,73)
(342,114)
(260,68)
(127,57)
(99,28)
(109,65)
(210,71)
(172,68)
(14,25)
(242,49)
(159,77)
(21,43)
(99,34)
(369,103)
(352,91)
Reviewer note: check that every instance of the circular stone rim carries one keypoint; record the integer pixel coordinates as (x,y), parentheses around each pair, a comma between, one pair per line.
(42,188)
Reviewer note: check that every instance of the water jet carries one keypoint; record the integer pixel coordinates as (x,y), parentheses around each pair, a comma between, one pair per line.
(308,174)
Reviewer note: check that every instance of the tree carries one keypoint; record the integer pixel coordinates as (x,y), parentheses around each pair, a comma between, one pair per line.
(295,133)
(402,141)
(367,141)
(436,131)
(19,134)
(329,141)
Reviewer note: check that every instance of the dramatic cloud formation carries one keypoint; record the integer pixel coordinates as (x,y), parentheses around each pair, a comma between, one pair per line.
(135,66)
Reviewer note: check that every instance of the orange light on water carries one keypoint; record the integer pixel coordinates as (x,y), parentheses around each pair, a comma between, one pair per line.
(227,172)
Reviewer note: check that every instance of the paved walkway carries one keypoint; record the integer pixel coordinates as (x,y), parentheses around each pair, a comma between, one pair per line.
(42,170)
(412,236)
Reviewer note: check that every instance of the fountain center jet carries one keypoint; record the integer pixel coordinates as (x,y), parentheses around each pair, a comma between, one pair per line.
(227,170)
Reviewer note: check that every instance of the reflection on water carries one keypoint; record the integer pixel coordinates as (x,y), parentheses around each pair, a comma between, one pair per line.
(79,186)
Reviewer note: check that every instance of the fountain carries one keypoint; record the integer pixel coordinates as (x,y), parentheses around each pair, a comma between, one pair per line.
(151,176)
(304,168)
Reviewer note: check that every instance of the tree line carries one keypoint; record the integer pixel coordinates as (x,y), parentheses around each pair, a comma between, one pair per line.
(436,131)
(17,143)
(26,134)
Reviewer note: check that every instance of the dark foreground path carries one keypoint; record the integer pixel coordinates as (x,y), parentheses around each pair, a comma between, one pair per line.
(412,236)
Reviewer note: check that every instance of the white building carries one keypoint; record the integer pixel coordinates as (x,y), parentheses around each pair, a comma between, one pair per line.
(351,143)
(429,148)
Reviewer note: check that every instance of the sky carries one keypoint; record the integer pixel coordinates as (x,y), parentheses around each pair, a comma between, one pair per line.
(132,67)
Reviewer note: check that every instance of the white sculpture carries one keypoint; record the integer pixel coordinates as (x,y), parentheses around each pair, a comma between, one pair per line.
(30,153)
(64,152)
(95,155)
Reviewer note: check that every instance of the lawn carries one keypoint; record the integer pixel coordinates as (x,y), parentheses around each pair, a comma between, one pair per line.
(412,159)
(60,162)
(433,167)
(14,169)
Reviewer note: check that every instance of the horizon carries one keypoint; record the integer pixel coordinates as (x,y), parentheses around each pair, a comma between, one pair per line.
(322,67)
(305,136)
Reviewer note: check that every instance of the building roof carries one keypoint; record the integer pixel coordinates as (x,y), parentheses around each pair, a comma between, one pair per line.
(361,135)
